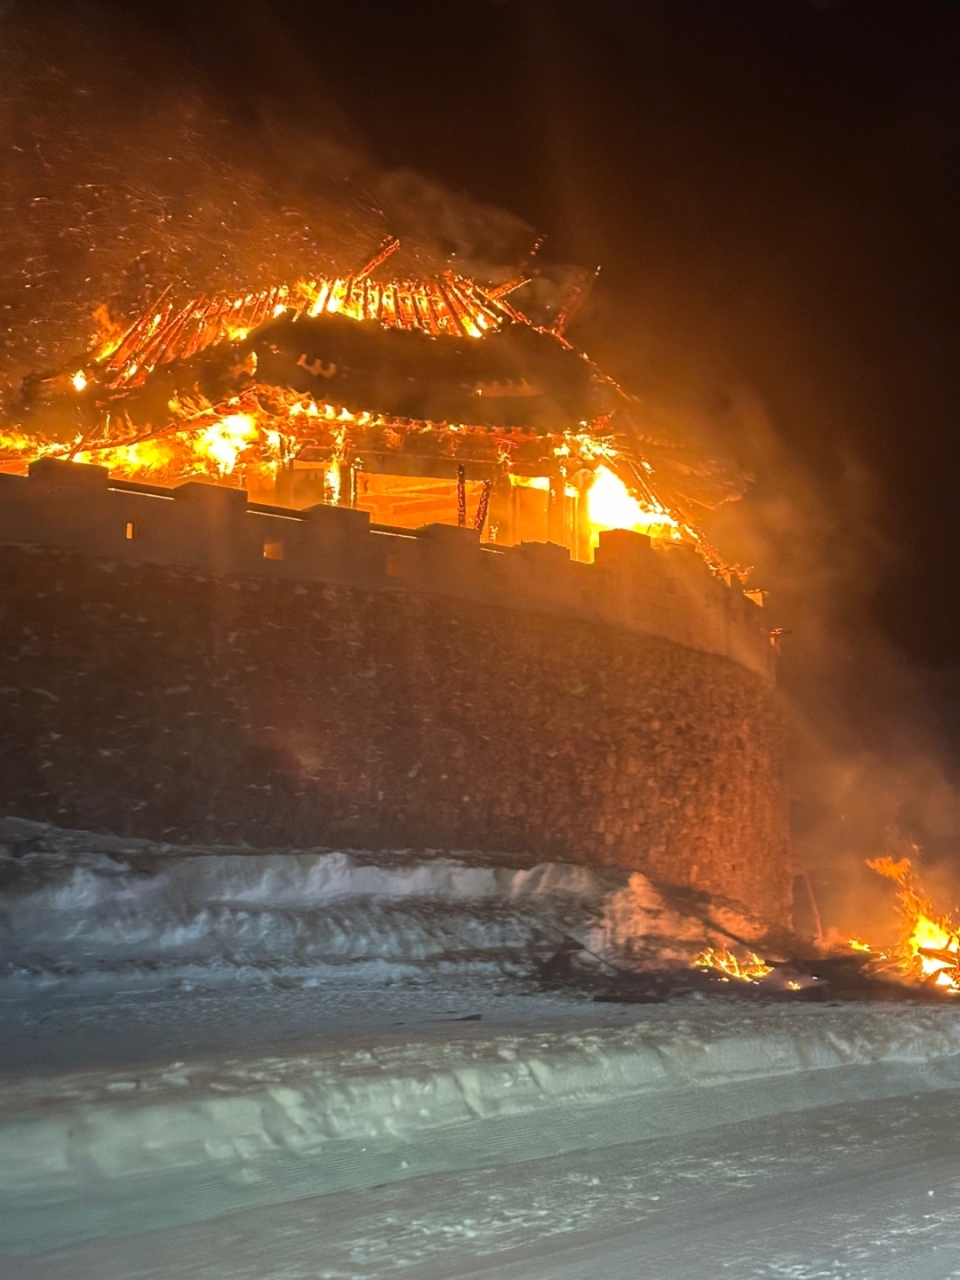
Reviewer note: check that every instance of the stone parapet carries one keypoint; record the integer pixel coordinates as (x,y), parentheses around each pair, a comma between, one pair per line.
(634,585)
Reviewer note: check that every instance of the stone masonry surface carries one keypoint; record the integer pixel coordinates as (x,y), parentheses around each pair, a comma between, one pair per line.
(165,701)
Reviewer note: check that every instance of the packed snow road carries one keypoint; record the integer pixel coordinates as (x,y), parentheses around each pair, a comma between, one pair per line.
(861,1191)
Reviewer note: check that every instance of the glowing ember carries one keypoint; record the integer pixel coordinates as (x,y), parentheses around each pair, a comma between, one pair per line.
(750,970)
(79,380)
(929,950)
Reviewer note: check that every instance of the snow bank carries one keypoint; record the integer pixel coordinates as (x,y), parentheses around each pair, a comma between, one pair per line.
(76,904)
(92,1154)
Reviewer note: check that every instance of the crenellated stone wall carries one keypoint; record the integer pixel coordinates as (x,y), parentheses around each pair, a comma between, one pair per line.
(376,688)
(633,584)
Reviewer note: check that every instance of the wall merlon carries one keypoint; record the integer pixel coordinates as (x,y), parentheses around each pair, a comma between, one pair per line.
(447,544)
(60,472)
(622,547)
(633,585)
(211,497)
(341,522)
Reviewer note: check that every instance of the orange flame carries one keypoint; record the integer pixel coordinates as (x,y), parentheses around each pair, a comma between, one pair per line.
(611,505)
(246,438)
(929,950)
(724,960)
(452,305)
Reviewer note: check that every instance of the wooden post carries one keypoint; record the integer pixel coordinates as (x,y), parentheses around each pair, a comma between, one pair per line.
(581,533)
(555,509)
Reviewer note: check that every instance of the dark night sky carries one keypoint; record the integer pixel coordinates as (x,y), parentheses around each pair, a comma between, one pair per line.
(772,189)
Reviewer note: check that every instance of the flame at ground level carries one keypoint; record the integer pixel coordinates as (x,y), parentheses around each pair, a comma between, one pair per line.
(929,949)
(752,969)
(928,953)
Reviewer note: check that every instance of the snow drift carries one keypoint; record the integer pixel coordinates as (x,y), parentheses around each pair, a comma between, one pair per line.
(78,905)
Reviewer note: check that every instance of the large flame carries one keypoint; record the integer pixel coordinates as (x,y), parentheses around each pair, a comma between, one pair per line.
(225,440)
(247,438)
(930,945)
(928,951)
(203,440)
(259,429)
(611,505)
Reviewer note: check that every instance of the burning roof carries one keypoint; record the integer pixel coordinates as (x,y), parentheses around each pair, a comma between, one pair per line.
(348,374)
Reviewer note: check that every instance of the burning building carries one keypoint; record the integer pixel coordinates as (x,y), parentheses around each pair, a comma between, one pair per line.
(431,401)
(377,563)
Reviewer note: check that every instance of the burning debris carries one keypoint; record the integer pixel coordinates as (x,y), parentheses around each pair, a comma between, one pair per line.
(926,961)
(383,396)
(648,953)
(723,960)
(929,948)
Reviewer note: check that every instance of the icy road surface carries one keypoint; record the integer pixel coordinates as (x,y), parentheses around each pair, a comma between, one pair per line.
(867,1191)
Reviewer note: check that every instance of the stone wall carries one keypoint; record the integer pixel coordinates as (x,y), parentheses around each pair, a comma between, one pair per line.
(183,704)
(667,592)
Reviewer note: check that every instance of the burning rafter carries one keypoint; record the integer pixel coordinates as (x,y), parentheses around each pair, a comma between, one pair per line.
(148,408)
(165,332)
(573,301)
(389,247)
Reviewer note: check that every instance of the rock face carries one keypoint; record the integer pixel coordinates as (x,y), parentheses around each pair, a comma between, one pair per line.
(170,702)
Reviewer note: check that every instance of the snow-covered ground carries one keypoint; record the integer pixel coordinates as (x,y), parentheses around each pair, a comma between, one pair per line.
(114,949)
(850,1192)
(229,1063)
(82,907)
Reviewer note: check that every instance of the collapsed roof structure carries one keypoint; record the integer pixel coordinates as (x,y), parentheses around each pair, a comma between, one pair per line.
(420,401)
